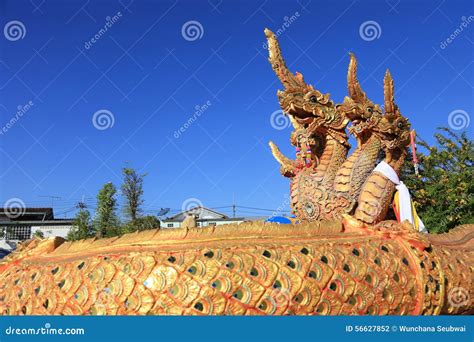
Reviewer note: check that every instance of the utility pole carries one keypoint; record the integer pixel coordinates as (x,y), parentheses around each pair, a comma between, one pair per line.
(81,205)
(233,205)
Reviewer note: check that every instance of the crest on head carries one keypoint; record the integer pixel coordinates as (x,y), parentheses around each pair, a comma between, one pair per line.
(307,107)
(357,107)
(394,128)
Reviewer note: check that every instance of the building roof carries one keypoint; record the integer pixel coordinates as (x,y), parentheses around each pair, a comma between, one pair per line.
(255,218)
(30,216)
(202,213)
(55,222)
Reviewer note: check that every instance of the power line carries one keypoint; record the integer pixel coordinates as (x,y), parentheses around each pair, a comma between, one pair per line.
(63,206)
(262,209)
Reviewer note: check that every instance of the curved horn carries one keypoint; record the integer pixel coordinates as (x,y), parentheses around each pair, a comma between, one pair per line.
(275,58)
(353,85)
(288,166)
(388,93)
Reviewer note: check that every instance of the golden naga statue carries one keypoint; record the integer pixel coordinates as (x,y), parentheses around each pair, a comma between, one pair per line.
(343,258)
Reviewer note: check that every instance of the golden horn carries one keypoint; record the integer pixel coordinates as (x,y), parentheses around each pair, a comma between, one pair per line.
(388,93)
(353,85)
(288,79)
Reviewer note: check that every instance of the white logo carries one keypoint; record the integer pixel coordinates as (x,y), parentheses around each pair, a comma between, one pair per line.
(280,296)
(192,30)
(14,208)
(103,119)
(458,296)
(279,120)
(459,119)
(370,30)
(191,203)
(14,30)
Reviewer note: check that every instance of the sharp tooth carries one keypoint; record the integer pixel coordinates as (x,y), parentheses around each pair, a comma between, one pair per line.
(292,107)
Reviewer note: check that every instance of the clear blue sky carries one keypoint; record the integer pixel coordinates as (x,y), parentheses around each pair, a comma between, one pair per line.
(144,71)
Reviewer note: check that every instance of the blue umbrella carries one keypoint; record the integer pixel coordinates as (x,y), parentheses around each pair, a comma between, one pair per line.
(279,220)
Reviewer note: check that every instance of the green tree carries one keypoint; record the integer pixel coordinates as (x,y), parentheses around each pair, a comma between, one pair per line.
(106,222)
(142,223)
(443,192)
(82,226)
(38,234)
(132,190)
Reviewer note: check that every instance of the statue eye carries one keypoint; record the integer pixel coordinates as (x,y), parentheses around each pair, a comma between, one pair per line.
(370,110)
(313,99)
(400,124)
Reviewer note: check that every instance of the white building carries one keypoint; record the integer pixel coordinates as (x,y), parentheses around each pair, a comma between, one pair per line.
(204,217)
(16,227)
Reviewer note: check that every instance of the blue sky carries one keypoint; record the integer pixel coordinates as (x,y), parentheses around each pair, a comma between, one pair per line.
(149,77)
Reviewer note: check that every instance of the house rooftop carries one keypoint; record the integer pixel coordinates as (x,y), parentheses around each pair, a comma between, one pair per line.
(205,214)
(201,212)
(29,214)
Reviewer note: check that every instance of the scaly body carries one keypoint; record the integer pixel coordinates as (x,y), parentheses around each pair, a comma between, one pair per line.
(376,197)
(364,115)
(247,269)
(309,188)
(355,169)
(393,131)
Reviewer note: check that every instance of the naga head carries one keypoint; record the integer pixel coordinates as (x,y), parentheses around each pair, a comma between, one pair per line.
(307,107)
(357,107)
(393,129)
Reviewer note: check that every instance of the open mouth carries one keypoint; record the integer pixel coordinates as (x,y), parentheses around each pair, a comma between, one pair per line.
(391,136)
(354,117)
(297,111)
(388,136)
(301,116)
(304,121)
